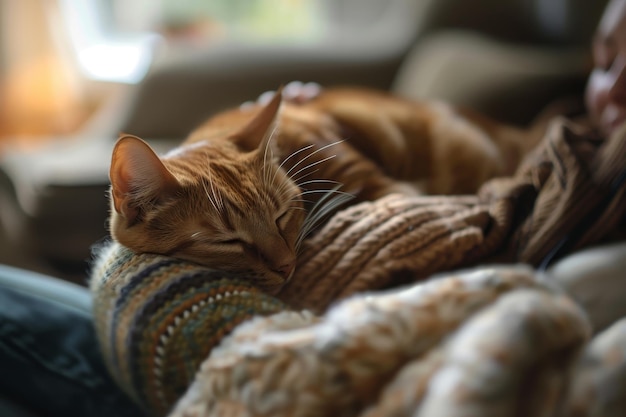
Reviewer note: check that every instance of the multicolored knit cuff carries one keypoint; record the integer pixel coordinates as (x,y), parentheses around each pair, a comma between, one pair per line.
(157,319)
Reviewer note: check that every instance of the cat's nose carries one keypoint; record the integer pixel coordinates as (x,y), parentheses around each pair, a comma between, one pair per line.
(286,269)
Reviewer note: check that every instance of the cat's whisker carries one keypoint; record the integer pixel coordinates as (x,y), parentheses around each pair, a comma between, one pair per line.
(319,216)
(324,207)
(283,190)
(331,199)
(311,154)
(302,200)
(296,180)
(289,157)
(333,191)
(322,181)
(267,147)
(305,148)
(198,236)
(210,198)
(292,176)
(322,201)
(305,201)
(218,195)
(326,195)
(324,191)
(285,187)
(214,196)
(314,164)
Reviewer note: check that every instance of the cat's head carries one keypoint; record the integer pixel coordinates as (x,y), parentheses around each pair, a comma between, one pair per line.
(226,204)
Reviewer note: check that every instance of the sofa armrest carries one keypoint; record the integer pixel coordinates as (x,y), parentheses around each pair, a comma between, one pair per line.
(53,204)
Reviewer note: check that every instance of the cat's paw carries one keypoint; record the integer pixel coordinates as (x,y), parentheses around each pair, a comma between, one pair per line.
(296,92)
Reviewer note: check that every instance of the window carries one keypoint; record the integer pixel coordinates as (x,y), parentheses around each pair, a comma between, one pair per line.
(61,58)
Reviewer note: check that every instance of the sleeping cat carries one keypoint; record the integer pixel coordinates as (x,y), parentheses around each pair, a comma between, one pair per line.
(243,190)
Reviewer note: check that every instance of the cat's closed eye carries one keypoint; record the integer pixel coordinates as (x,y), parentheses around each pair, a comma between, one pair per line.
(225,242)
(281,221)
(239,243)
(230,242)
(234,241)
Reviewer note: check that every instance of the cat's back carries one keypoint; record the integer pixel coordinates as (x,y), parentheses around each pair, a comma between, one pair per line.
(457,149)
(345,104)
(408,139)
(338,100)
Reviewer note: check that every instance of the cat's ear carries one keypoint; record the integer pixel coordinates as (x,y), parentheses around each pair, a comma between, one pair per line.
(259,130)
(137,176)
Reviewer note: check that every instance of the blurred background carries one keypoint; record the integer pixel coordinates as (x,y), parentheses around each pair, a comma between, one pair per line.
(75,73)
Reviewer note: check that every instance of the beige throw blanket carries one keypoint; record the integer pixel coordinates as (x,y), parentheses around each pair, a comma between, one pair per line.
(493,342)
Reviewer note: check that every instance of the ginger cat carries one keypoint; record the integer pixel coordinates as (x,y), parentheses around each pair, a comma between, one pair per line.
(243,190)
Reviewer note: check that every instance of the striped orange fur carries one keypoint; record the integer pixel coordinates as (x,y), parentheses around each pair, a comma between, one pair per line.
(248,185)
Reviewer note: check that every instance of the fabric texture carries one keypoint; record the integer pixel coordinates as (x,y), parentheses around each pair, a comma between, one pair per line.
(571,192)
(159,318)
(476,343)
(49,355)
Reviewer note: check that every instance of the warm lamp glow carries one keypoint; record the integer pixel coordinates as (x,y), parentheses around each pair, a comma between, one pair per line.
(40,91)
(41,99)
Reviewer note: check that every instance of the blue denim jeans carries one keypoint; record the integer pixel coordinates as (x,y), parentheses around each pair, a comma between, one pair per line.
(50,364)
